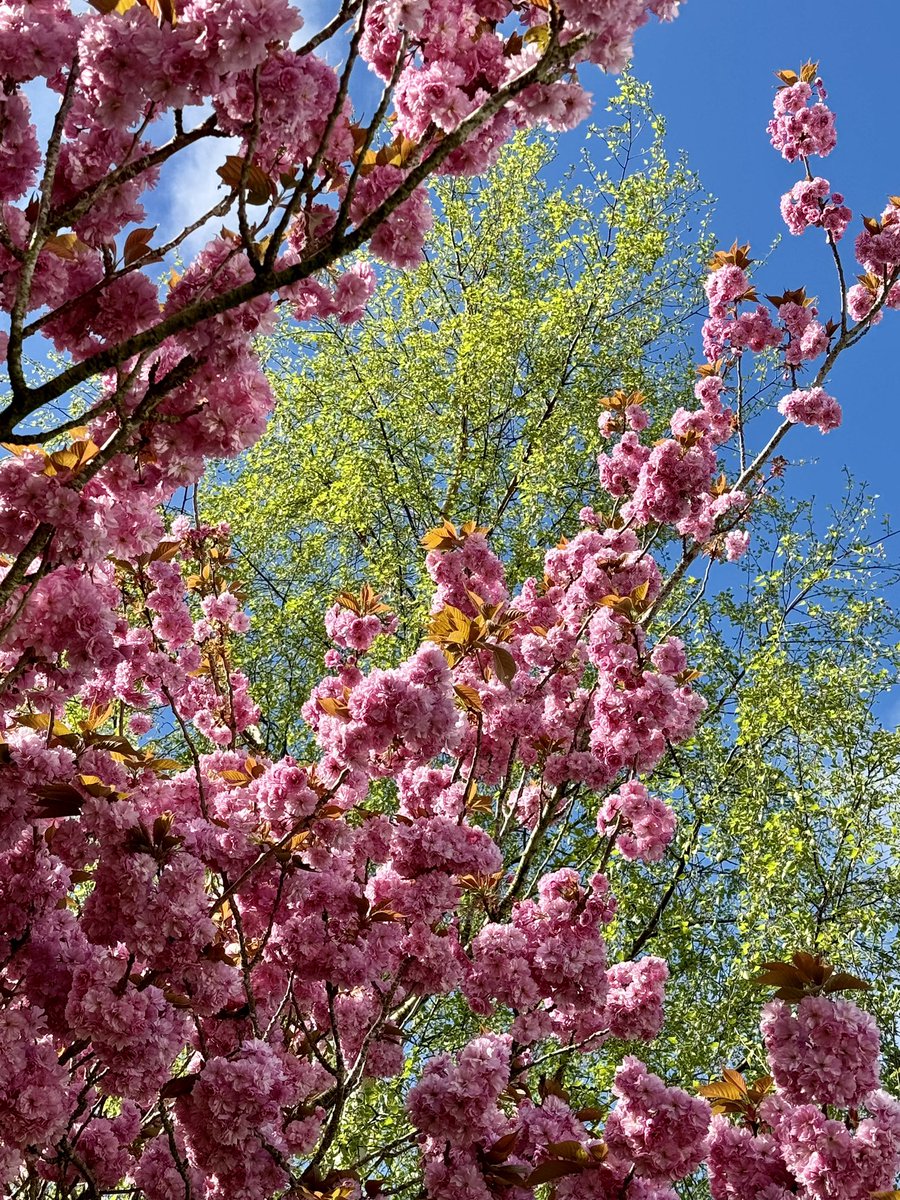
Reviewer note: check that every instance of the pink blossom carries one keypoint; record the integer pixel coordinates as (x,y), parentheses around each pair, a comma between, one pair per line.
(810,203)
(353,631)
(811,407)
(456,1101)
(634,1003)
(826,1054)
(737,543)
(643,825)
(35,1096)
(672,1144)
(740,1163)
(802,125)
(878,247)
(724,286)
(820,1151)
(859,303)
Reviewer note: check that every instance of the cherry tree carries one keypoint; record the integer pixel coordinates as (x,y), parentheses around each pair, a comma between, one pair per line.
(163,384)
(204,964)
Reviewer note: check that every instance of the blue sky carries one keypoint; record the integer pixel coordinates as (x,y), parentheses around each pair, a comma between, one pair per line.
(712,75)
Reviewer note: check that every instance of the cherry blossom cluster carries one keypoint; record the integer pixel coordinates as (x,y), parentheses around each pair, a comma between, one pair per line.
(811,406)
(804,127)
(157,371)
(646,823)
(802,124)
(356,631)
(878,253)
(827,1130)
(654,1135)
(676,481)
(200,958)
(810,203)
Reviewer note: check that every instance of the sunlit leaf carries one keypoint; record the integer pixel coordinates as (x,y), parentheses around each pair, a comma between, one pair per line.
(64,245)
(137,245)
(468,697)
(553,1168)
(504,665)
(260,188)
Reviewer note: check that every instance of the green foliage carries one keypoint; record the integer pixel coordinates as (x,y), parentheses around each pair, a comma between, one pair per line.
(470,391)
(789,795)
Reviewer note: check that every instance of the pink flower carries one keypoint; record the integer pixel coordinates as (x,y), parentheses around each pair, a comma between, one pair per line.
(140,723)
(725,285)
(456,1100)
(661,1130)
(809,204)
(860,300)
(800,128)
(634,1004)
(811,407)
(644,823)
(742,1164)
(737,543)
(826,1054)
(353,631)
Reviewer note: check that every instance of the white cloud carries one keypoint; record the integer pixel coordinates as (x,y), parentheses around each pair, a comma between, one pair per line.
(44,107)
(190,187)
